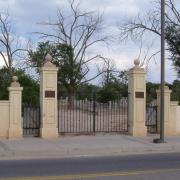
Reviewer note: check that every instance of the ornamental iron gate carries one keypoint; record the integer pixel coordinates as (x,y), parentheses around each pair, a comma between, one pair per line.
(83,113)
(151,118)
(31,120)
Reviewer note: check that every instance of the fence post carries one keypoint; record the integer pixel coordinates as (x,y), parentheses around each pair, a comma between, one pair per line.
(15,108)
(137,100)
(48,99)
(169,122)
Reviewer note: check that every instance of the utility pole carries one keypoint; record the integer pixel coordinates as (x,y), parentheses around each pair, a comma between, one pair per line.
(161,140)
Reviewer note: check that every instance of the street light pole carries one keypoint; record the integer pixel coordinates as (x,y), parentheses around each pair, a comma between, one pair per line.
(162,69)
(161,140)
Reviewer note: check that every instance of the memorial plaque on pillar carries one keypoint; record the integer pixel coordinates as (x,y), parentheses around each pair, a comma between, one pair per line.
(49,94)
(139,94)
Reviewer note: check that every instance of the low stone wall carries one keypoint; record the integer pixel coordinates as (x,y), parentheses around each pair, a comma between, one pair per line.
(173,119)
(171,114)
(10,112)
(4,119)
(178,120)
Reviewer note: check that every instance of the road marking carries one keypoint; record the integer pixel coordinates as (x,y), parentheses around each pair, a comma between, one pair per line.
(94,175)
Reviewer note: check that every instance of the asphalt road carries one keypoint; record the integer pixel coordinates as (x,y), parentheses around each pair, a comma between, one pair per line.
(144,167)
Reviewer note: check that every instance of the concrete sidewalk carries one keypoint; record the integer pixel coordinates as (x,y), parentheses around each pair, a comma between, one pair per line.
(73,146)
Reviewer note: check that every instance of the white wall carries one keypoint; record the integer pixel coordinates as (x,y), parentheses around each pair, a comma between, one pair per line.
(4,119)
(178,120)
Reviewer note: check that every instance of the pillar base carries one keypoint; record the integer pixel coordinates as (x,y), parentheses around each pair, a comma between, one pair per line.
(15,133)
(49,133)
(142,132)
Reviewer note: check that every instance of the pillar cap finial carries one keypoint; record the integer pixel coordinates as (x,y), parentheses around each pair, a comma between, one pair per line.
(48,58)
(15,82)
(136,62)
(48,61)
(14,78)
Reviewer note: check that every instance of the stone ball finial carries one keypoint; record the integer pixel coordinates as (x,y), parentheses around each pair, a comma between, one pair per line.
(48,58)
(15,82)
(136,62)
(48,61)
(14,79)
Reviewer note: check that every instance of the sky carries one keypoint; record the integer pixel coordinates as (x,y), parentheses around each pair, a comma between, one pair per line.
(27,14)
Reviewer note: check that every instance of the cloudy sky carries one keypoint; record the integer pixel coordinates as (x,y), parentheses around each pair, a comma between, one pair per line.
(26,14)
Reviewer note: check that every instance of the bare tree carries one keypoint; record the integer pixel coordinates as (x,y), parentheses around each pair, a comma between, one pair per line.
(149,24)
(150,21)
(109,70)
(81,31)
(9,43)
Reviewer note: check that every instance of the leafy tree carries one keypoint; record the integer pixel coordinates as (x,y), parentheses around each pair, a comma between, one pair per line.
(151,91)
(173,40)
(31,88)
(107,93)
(114,80)
(88,88)
(37,57)
(30,93)
(152,87)
(175,95)
(115,84)
(4,83)
(70,72)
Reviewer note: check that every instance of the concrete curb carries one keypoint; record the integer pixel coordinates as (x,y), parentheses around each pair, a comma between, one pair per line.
(74,152)
(34,148)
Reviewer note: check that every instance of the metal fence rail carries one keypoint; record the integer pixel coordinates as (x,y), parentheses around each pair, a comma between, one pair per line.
(151,118)
(31,120)
(85,113)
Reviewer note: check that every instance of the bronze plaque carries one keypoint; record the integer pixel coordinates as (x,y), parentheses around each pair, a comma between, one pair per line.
(50,94)
(139,94)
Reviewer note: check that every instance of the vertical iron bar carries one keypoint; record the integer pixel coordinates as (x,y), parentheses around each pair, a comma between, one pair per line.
(104,127)
(28,122)
(91,120)
(84,119)
(156,117)
(58,114)
(100,114)
(111,113)
(39,121)
(79,114)
(127,113)
(94,109)
(122,116)
(70,112)
(34,120)
(76,112)
(114,111)
(90,103)
(119,111)
(63,110)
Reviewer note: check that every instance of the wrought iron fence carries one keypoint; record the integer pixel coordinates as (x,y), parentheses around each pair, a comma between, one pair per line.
(31,120)
(90,113)
(151,118)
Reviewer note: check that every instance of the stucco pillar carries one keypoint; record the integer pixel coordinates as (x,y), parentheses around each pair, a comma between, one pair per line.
(15,110)
(178,120)
(173,118)
(137,100)
(169,124)
(48,99)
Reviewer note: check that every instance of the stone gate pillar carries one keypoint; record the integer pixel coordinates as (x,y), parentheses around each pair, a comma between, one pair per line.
(169,122)
(48,99)
(137,100)
(15,110)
